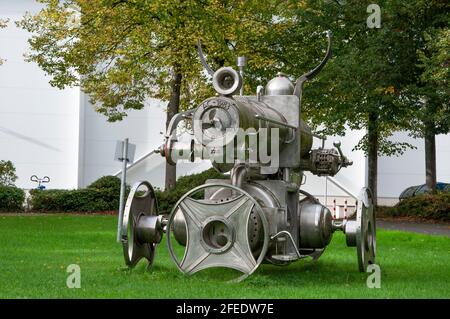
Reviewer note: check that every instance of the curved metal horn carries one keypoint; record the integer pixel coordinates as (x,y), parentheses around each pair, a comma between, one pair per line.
(312,73)
(202,58)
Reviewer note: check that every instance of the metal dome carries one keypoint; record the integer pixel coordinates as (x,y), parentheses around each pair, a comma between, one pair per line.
(280,85)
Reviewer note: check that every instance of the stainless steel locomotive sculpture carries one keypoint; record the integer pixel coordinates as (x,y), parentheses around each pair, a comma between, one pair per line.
(260,214)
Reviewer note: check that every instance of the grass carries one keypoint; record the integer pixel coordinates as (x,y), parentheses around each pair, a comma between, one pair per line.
(36,250)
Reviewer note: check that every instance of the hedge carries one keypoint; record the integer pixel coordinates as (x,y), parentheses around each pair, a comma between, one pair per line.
(102,195)
(11,198)
(107,182)
(429,206)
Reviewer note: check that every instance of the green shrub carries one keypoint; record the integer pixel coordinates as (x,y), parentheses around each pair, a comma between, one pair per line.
(101,195)
(430,206)
(11,198)
(46,200)
(104,194)
(82,200)
(7,173)
(167,199)
(106,182)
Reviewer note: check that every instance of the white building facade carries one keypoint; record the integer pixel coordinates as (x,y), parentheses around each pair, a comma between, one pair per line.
(49,132)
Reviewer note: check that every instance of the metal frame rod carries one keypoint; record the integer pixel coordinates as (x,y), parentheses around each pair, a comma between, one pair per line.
(262,118)
(288,234)
(122,187)
(136,162)
(342,187)
(241,63)
(320,137)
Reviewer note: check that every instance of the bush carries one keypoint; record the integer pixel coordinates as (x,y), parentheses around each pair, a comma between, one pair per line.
(101,195)
(106,182)
(430,206)
(104,193)
(11,198)
(82,200)
(167,199)
(7,173)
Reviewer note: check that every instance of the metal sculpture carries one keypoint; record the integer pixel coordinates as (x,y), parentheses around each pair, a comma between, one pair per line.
(40,181)
(260,214)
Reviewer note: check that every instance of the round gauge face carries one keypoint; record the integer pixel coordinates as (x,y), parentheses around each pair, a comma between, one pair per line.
(216,121)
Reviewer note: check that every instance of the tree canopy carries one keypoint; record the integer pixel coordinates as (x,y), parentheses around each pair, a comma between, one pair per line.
(122,52)
(383,80)
(428,95)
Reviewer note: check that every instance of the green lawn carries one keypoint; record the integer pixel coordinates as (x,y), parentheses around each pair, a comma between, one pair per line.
(35,251)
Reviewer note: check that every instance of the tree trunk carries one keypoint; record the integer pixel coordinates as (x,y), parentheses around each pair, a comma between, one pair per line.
(172,109)
(373,156)
(430,160)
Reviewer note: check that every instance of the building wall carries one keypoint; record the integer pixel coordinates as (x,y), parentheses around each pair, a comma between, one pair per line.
(98,137)
(398,172)
(38,123)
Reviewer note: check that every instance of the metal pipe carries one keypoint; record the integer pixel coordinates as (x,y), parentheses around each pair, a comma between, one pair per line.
(266,119)
(259,92)
(241,63)
(286,175)
(288,234)
(238,175)
(320,137)
(122,188)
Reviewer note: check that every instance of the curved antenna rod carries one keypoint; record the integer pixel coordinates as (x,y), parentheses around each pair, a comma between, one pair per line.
(312,73)
(202,58)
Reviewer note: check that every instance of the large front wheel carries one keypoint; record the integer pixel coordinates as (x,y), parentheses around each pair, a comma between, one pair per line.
(362,231)
(142,228)
(217,231)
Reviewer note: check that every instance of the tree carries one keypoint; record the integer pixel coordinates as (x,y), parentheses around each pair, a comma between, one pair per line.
(7,173)
(360,84)
(382,79)
(369,80)
(385,79)
(122,52)
(428,94)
